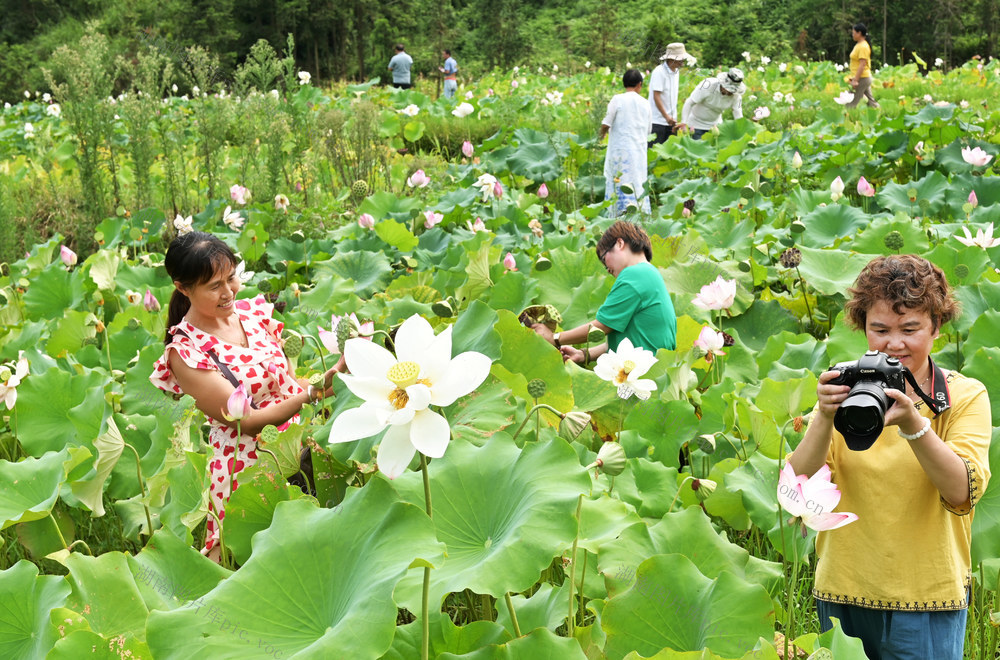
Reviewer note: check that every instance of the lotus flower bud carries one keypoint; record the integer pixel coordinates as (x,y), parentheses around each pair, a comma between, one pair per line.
(150,302)
(366,221)
(973,200)
(497,190)
(293,343)
(704,488)
(543,191)
(467,149)
(790,258)
(575,422)
(238,405)
(68,256)
(797,160)
(611,459)
(893,240)
(837,189)
(537,388)
(509,263)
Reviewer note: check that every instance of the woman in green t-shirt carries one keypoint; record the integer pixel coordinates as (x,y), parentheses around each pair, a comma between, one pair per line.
(638,306)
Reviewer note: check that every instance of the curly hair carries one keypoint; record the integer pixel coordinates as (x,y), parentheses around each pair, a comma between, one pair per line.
(635,238)
(905,282)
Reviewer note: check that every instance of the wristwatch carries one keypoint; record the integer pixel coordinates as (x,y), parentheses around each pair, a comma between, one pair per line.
(555,338)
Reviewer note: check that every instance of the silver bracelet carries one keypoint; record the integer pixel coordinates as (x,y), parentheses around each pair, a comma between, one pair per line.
(311,393)
(918,434)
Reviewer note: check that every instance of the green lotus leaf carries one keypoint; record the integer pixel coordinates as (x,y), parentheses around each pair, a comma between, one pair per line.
(526,356)
(787,351)
(541,643)
(760,322)
(788,398)
(58,409)
(396,234)
(831,272)
(70,333)
(105,593)
(503,514)
(987,191)
(725,503)
(828,223)
(251,507)
(369,270)
(649,486)
(474,331)
(479,415)
(986,524)
(948,255)
(844,343)
(85,643)
(537,161)
(30,487)
(319,582)
(931,189)
(169,572)
(576,286)
(188,504)
(871,240)
(983,333)
(387,205)
(513,291)
(28,598)
(445,637)
(54,291)
(673,605)
(109,447)
(666,426)
(975,300)
(103,268)
(546,608)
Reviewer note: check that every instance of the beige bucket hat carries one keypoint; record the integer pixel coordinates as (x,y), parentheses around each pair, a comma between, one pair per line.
(675,51)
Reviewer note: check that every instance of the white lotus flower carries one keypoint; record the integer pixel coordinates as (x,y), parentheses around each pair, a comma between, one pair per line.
(463,110)
(8,388)
(983,239)
(54,110)
(398,389)
(625,367)
(486,184)
(304,77)
(761,112)
(182,224)
(844,98)
(232,218)
(411,110)
(976,156)
(765,60)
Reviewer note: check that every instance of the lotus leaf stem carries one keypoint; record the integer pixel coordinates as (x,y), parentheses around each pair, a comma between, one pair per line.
(570,619)
(62,539)
(142,488)
(425,596)
(83,543)
(583,576)
(678,493)
(107,347)
(805,298)
(513,615)
(537,406)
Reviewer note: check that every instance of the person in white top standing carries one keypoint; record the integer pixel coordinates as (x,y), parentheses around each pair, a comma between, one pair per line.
(663,87)
(400,65)
(703,109)
(628,121)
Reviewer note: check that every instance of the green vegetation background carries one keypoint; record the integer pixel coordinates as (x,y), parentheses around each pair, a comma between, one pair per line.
(353,38)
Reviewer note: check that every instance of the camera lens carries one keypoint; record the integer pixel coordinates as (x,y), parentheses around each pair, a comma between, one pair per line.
(861,417)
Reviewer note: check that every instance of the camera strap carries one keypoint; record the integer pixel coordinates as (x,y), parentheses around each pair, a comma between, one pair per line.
(941,400)
(223,367)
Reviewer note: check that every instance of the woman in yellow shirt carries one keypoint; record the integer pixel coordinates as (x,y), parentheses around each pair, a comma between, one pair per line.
(861,58)
(898,578)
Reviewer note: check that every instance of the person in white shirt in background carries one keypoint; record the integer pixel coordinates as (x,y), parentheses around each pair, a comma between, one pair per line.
(663,89)
(628,120)
(713,96)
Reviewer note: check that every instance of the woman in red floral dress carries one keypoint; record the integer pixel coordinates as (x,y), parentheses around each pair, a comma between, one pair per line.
(210,333)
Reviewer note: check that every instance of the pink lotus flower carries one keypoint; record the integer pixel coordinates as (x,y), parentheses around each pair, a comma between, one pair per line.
(239,194)
(509,263)
(366,221)
(467,149)
(865,189)
(358,329)
(68,256)
(976,157)
(238,405)
(478,226)
(720,294)
(811,500)
(8,388)
(150,302)
(761,112)
(513,84)
(497,190)
(973,200)
(432,218)
(543,191)
(418,180)
(837,189)
(710,341)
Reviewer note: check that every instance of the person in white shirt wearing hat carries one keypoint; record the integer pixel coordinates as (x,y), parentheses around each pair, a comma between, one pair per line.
(713,96)
(663,86)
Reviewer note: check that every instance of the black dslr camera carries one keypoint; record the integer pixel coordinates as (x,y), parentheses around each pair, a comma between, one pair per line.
(861,417)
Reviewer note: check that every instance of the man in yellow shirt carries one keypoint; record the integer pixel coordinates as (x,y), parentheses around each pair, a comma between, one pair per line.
(861,58)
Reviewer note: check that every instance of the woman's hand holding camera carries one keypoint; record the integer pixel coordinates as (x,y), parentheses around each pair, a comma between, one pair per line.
(830,396)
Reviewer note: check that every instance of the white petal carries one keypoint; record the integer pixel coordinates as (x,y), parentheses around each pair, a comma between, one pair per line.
(644,360)
(413,338)
(395,452)
(465,373)
(430,433)
(642,384)
(365,358)
(368,389)
(419,396)
(606,367)
(436,359)
(401,416)
(355,424)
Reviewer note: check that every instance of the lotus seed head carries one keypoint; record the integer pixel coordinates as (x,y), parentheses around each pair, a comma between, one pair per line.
(537,388)
(404,374)
(961,271)
(894,240)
